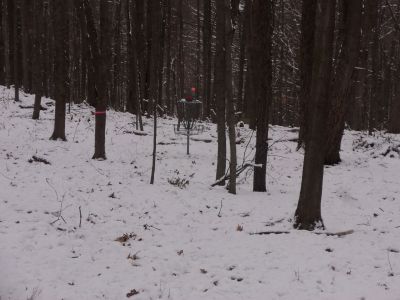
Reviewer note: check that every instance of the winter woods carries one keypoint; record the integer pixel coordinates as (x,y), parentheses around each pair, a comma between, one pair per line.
(322,67)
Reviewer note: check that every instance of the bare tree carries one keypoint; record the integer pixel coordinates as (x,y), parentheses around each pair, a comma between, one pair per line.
(60,67)
(308,212)
(261,77)
(343,79)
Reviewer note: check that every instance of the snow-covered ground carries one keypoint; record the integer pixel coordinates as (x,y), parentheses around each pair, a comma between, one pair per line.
(191,242)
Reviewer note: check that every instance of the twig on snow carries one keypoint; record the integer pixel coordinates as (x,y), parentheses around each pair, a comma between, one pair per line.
(52,187)
(80,217)
(338,234)
(220,208)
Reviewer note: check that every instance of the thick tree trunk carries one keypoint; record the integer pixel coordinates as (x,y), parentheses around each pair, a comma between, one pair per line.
(61,67)
(242,57)
(2,52)
(15,56)
(104,55)
(249,104)
(343,80)
(6,43)
(261,70)
(231,12)
(115,90)
(26,34)
(99,68)
(168,98)
(141,47)
(372,7)
(394,112)
(308,212)
(132,60)
(38,66)
(306,57)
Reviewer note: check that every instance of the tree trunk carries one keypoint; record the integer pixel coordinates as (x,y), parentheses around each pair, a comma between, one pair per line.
(160,64)
(308,212)
(170,105)
(133,104)
(141,47)
(181,57)
(372,8)
(207,32)
(26,34)
(242,56)
(100,69)
(261,70)
(115,99)
(15,56)
(38,65)
(220,88)
(343,80)
(394,112)
(231,11)
(104,56)
(306,57)
(61,67)
(154,72)
(2,69)
(6,40)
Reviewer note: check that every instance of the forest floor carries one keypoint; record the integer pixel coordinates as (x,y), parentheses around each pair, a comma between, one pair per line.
(180,238)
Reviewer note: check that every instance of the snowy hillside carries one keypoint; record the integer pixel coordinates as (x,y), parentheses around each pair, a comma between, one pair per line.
(180,238)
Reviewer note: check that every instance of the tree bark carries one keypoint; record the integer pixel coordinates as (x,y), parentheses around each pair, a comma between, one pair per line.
(220,88)
(104,55)
(100,70)
(261,71)
(60,67)
(2,46)
(343,80)
(207,33)
(372,7)
(306,57)
(231,12)
(15,56)
(38,66)
(308,212)
(181,57)
(154,72)
(26,34)
(170,104)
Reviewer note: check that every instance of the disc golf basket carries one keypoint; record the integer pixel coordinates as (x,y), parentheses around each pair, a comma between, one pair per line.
(188,114)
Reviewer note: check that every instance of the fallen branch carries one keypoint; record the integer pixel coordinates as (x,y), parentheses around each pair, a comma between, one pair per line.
(80,217)
(199,139)
(338,234)
(31,106)
(269,232)
(238,172)
(136,132)
(166,143)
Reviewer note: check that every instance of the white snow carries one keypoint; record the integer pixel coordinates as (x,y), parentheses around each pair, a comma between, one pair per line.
(179,247)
